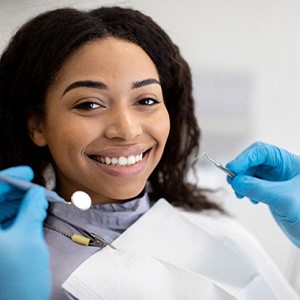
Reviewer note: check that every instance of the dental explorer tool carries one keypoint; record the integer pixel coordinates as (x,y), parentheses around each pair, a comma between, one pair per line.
(217,164)
(82,200)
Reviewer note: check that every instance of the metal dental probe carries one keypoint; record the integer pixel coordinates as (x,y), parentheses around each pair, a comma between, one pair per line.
(51,196)
(217,164)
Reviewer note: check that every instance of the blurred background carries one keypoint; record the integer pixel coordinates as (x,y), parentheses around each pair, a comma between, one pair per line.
(245,61)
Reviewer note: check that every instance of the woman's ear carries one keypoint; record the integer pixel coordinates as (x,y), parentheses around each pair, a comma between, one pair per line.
(36,131)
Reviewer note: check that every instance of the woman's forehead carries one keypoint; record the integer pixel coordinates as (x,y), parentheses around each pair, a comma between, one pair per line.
(108,58)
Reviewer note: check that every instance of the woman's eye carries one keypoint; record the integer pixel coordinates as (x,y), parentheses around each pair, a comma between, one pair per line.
(148,101)
(87,105)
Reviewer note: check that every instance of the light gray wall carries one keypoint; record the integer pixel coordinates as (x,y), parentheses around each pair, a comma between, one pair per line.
(245,60)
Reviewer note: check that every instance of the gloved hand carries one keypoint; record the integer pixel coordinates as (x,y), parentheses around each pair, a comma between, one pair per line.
(268,174)
(24,259)
(9,209)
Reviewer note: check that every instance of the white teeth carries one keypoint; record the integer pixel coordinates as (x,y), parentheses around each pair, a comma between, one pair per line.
(114,161)
(121,161)
(131,160)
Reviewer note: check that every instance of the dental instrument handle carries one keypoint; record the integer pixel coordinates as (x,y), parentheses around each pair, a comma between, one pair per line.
(26,185)
(226,170)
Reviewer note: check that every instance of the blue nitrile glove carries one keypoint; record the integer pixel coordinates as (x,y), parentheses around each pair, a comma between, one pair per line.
(9,209)
(24,259)
(268,174)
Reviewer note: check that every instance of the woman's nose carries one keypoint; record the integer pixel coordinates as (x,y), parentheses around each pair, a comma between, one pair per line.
(123,125)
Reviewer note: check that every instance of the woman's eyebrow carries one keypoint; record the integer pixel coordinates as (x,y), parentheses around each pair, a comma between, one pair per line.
(86,83)
(102,86)
(141,83)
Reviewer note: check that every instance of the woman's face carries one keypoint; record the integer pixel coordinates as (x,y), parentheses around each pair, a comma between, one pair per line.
(106,123)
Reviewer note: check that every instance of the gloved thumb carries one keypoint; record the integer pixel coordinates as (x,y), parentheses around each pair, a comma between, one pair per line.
(33,210)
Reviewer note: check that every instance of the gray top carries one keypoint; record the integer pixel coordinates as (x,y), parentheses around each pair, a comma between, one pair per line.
(107,221)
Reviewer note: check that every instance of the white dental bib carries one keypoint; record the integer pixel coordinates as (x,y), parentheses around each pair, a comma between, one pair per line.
(166,256)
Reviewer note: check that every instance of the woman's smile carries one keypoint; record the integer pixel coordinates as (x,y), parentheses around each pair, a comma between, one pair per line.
(126,163)
(121,161)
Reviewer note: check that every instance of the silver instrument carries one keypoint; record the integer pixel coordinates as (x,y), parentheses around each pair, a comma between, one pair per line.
(217,164)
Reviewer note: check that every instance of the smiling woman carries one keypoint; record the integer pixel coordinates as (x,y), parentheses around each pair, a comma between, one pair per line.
(103,104)
(104,100)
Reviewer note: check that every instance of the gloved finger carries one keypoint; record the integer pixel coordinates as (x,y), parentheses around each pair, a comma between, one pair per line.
(239,196)
(229,181)
(21,172)
(257,154)
(257,190)
(33,210)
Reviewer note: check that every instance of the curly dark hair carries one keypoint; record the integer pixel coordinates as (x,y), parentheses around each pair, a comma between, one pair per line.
(34,57)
